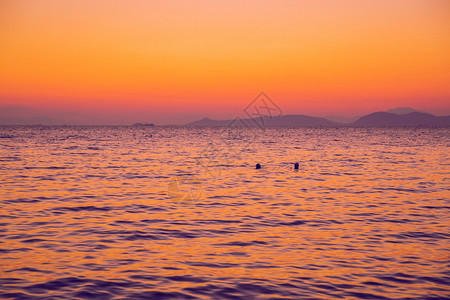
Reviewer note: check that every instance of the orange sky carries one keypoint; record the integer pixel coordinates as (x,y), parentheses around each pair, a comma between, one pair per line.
(117,62)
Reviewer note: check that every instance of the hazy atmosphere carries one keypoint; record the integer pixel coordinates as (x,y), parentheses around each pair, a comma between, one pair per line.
(309,157)
(173,62)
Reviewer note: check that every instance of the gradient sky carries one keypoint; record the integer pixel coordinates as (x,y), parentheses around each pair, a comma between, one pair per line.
(170,62)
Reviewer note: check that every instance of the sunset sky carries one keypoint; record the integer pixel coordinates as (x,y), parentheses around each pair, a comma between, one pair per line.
(171,62)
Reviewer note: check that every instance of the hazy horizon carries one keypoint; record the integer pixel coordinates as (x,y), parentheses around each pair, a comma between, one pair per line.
(21,115)
(221,208)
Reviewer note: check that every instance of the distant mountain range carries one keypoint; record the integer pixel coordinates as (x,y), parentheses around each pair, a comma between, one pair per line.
(379,119)
(398,117)
(281,121)
(342,120)
(402,110)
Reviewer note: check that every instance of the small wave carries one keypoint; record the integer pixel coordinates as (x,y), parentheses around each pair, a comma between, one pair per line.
(242,244)
(82,208)
(220,221)
(135,237)
(435,207)
(47,168)
(293,223)
(421,235)
(10,158)
(396,279)
(187,278)
(32,270)
(402,190)
(6,251)
(210,265)
(145,277)
(360,295)
(22,200)
(152,221)
(159,295)
(444,280)
(33,240)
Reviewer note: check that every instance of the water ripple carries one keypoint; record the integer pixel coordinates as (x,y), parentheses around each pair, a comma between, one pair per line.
(86,213)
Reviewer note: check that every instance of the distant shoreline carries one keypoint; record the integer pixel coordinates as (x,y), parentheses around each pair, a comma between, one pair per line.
(377,119)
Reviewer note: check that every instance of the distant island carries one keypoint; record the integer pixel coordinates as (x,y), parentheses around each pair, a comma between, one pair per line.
(399,117)
(143,125)
(385,119)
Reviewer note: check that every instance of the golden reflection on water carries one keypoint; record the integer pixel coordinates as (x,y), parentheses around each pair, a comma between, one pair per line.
(365,203)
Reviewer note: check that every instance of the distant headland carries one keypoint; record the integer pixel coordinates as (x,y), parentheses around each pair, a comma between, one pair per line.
(398,117)
(143,125)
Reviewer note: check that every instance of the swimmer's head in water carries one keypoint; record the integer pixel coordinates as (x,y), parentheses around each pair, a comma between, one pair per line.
(258,166)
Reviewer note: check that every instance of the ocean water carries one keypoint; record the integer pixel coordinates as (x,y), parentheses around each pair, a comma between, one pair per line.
(181,213)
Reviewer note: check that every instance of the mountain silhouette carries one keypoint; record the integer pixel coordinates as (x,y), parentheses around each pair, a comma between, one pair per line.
(342,120)
(386,119)
(280,121)
(402,110)
(377,119)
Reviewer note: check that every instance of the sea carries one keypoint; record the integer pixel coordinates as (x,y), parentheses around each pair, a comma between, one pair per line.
(123,212)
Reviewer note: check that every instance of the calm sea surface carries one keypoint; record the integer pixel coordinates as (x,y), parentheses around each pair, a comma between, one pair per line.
(177,213)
